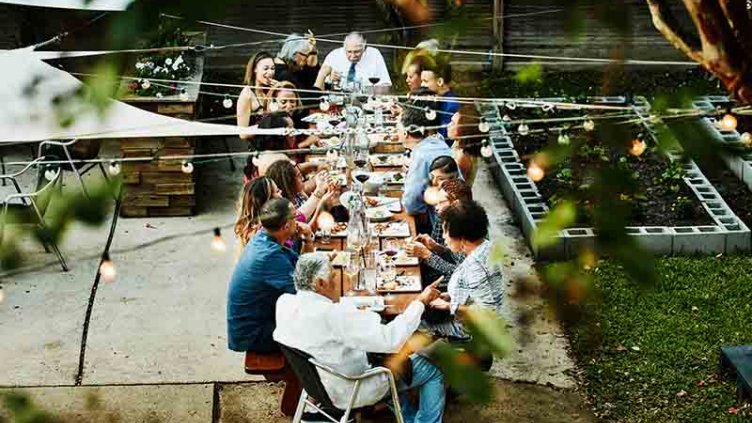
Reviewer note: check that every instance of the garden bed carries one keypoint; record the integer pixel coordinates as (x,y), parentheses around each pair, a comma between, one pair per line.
(665,200)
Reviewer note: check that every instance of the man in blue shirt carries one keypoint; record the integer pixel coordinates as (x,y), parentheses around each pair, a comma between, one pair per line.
(263,273)
(426,145)
(437,77)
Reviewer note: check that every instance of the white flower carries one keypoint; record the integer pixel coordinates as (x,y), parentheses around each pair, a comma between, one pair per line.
(168,61)
(139,65)
(150,65)
(158,95)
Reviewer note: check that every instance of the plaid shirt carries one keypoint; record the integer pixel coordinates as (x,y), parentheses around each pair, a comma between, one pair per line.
(474,282)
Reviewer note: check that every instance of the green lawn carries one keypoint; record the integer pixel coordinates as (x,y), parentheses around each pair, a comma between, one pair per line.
(653,354)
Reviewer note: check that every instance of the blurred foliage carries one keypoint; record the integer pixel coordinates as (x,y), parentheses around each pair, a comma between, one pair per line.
(23,410)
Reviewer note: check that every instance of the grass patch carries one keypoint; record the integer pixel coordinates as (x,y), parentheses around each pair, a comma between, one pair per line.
(653,354)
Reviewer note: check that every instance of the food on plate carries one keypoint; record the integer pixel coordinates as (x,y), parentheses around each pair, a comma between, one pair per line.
(372,201)
(389,285)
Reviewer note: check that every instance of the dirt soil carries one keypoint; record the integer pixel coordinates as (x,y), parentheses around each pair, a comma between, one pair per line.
(657,207)
(514,402)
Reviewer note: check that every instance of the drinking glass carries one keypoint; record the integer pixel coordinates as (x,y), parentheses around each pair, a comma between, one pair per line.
(352,270)
(388,270)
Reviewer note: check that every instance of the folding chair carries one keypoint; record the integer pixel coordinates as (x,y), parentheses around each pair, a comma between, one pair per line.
(305,367)
(32,206)
(84,150)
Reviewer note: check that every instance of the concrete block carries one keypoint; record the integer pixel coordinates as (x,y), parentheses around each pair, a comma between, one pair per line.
(656,239)
(690,240)
(578,239)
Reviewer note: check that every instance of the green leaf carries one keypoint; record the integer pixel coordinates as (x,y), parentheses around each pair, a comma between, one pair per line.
(530,74)
(560,217)
(489,330)
(461,374)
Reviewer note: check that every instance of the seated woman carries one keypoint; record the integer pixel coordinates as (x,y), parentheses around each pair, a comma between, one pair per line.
(255,194)
(463,129)
(290,181)
(269,142)
(297,61)
(257,166)
(284,99)
(259,77)
(431,250)
(474,282)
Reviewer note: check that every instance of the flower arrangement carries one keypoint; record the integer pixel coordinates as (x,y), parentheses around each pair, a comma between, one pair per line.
(171,65)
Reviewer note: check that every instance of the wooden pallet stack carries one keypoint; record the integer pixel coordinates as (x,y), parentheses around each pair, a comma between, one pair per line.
(158,188)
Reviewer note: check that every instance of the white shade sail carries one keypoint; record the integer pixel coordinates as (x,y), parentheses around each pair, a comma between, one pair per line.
(28,113)
(105,5)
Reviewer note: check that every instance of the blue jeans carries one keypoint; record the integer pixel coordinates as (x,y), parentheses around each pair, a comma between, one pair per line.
(429,381)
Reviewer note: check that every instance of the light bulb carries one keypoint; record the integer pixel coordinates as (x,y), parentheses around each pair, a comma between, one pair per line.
(158,95)
(486,151)
(588,125)
(511,106)
(728,122)
(563,139)
(523,129)
(483,126)
(2,295)
(324,105)
(218,244)
(433,196)
(114,168)
(107,269)
(50,174)
(747,138)
(183,94)
(547,107)
(145,84)
(535,172)
(638,147)
(506,118)
(273,106)
(430,113)
(227,102)
(187,167)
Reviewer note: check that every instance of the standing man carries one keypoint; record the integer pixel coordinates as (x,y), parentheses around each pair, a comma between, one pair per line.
(263,273)
(355,61)
(437,77)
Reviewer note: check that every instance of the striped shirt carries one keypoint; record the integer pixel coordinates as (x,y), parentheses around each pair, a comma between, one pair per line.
(475,282)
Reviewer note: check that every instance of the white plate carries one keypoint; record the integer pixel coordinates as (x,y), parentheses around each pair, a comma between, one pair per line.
(399,229)
(408,283)
(401,259)
(387,160)
(378,214)
(372,303)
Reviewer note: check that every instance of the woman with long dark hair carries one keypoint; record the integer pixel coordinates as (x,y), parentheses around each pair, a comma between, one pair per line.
(259,77)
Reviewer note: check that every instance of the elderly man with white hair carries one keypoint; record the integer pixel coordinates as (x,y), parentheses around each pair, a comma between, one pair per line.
(355,61)
(339,335)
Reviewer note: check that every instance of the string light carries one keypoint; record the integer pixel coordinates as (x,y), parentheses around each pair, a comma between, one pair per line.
(728,122)
(187,167)
(484,126)
(547,107)
(430,113)
(523,129)
(511,105)
(145,84)
(158,95)
(638,147)
(273,106)
(114,168)
(588,125)
(486,150)
(107,268)
(506,118)
(218,244)
(183,94)
(325,221)
(746,138)
(324,104)
(535,171)
(563,138)
(2,294)
(51,174)
(227,102)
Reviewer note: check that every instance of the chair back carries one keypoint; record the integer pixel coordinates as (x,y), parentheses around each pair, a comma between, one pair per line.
(45,188)
(86,149)
(307,374)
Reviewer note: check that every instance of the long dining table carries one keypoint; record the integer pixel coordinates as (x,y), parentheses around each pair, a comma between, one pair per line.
(395,301)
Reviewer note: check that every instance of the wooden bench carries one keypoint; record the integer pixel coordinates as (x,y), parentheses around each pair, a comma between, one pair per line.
(274,368)
(738,360)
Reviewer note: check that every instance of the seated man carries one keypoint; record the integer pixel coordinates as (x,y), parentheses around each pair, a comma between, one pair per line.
(355,62)
(416,133)
(339,335)
(263,273)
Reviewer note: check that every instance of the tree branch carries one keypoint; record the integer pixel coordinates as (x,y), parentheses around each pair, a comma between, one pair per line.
(739,20)
(665,22)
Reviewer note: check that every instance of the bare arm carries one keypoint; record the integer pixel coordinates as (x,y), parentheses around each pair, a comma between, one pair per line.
(243,112)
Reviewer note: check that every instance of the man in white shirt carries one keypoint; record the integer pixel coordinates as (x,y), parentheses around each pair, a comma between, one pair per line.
(339,335)
(355,61)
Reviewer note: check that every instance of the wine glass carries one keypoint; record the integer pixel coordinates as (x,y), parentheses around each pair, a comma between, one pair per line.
(391,248)
(374,79)
(352,270)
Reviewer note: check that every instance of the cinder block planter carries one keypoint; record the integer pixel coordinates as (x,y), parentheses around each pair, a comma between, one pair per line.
(728,235)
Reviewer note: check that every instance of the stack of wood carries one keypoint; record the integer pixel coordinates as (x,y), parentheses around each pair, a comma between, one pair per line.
(159,187)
